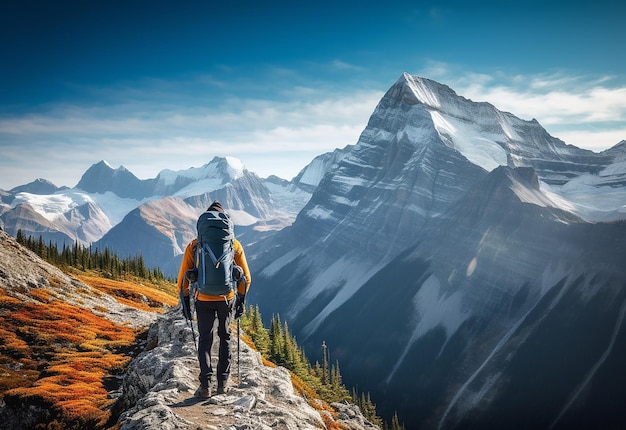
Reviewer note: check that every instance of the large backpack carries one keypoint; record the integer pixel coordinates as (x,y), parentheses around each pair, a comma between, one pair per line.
(215,252)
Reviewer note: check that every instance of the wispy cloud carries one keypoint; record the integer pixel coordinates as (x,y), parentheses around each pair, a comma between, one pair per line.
(586,111)
(276,127)
(150,129)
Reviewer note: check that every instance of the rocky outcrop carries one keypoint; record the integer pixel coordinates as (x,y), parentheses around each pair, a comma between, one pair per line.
(159,385)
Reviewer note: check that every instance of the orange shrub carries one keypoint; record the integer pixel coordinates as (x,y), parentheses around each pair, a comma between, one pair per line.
(133,294)
(56,355)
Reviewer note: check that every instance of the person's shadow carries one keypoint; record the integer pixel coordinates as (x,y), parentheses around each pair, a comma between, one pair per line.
(188,402)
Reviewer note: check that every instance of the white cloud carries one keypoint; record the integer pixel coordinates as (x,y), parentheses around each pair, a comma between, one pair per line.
(586,111)
(147,137)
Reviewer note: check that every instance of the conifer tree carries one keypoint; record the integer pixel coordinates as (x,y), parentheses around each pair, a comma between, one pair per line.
(283,350)
(19,236)
(276,340)
(325,370)
(335,379)
(84,258)
(395,423)
(252,323)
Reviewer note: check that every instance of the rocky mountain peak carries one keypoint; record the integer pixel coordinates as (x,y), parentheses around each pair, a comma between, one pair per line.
(38,186)
(425,91)
(101,177)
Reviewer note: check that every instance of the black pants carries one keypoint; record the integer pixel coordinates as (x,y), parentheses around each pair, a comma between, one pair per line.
(207,312)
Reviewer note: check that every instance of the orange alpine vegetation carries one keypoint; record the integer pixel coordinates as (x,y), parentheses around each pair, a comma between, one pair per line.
(133,293)
(55,356)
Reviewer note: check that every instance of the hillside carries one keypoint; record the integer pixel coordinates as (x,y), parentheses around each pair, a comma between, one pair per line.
(81,351)
(64,339)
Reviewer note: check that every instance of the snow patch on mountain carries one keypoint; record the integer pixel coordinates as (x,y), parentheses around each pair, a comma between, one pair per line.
(477,146)
(288,197)
(529,195)
(314,172)
(242,218)
(200,187)
(318,212)
(422,91)
(55,205)
(433,308)
(587,197)
(235,167)
(199,180)
(618,168)
(346,276)
(272,268)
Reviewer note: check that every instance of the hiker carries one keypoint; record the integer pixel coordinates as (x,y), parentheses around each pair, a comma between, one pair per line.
(212,306)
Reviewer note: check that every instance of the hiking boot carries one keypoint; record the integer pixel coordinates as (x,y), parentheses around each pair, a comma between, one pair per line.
(222,386)
(202,392)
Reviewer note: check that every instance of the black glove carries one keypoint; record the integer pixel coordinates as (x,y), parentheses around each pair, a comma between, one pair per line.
(191,275)
(186,307)
(237,273)
(240,301)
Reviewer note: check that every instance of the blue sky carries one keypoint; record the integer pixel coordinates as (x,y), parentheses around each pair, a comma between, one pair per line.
(168,85)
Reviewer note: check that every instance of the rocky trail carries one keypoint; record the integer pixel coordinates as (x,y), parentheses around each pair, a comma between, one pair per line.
(158,390)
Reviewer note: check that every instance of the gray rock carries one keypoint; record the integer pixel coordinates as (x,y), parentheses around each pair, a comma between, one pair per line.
(159,385)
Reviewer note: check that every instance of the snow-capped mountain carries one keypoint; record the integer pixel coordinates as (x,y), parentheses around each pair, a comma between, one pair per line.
(446,244)
(112,207)
(38,186)
(310,177)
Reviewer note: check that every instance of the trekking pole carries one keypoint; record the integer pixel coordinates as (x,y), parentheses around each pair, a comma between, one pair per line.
(186,308)
(193,334)
(238,349)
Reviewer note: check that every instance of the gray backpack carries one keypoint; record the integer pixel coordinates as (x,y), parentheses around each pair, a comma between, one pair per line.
(215,253)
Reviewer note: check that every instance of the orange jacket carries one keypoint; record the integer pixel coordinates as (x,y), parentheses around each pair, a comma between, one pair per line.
(188,263)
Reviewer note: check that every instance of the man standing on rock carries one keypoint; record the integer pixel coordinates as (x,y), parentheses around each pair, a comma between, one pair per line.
(214,266)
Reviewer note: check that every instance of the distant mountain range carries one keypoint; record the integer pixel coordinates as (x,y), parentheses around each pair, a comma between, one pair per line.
(464,266)
(156,217)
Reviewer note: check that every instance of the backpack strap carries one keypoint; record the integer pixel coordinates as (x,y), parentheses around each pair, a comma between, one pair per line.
(216,261)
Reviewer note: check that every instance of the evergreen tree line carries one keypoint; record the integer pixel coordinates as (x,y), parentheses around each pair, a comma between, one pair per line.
(278,345)
(85,258)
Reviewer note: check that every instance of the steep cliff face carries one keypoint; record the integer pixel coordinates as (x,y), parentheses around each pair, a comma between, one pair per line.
(500,277)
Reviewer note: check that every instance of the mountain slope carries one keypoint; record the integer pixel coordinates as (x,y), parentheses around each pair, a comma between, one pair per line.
(155,230)
(447,227)
(38,186)
(65,343)
(62,340)
(448,304)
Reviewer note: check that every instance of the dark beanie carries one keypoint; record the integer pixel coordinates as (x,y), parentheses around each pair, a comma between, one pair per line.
(216,206)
